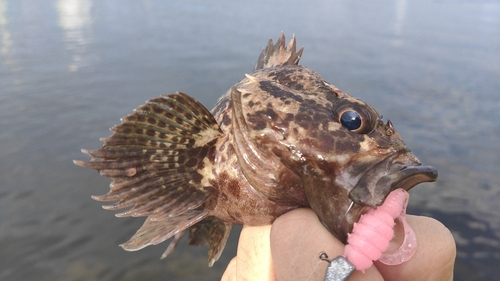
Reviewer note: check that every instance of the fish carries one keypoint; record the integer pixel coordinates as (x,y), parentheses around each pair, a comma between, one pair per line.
(281,138)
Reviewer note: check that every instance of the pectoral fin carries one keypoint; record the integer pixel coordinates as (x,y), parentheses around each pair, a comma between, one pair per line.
(159,160)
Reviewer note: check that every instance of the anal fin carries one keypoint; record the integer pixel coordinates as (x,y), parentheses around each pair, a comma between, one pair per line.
(213,232)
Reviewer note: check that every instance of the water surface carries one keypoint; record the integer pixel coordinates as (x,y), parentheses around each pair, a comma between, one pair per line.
(70,69)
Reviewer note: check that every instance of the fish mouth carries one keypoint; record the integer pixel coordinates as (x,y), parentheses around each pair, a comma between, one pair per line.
(399,170)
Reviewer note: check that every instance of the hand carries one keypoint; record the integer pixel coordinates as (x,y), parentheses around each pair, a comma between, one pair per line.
(288,250)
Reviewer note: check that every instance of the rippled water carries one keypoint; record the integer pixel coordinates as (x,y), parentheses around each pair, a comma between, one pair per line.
(70,69)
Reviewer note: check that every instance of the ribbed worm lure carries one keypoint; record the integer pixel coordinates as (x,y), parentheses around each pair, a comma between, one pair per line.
(371,235)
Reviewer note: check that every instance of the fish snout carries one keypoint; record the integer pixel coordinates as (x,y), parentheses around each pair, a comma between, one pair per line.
(399,170)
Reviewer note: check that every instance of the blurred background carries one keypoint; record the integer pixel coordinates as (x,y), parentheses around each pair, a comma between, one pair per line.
(70,69)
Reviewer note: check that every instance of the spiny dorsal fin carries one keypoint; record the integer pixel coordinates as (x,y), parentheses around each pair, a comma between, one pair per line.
(157,158)
(278,55)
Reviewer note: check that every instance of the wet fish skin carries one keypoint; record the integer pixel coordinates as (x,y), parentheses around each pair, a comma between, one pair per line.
(274,142)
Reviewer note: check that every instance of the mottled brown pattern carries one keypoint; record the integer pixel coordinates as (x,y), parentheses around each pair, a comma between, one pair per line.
(272,143)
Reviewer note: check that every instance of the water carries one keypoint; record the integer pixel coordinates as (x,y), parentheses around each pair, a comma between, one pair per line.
(70,69)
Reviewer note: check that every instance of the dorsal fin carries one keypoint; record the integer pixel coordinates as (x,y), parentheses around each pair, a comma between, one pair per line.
(278,55)
(157,159)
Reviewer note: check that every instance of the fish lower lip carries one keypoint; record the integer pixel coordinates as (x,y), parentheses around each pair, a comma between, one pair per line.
(389,175)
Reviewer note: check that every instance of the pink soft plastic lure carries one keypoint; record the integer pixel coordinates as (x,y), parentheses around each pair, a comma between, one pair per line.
(370,237)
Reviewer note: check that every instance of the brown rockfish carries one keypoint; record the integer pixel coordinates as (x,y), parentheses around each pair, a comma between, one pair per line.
(281,138)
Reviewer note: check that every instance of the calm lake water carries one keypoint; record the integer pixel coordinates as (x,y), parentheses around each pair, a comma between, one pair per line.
(70,69)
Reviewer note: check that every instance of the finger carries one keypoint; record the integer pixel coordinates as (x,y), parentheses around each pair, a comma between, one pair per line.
(230,272)
(253,257)
(435,256)
(297,238)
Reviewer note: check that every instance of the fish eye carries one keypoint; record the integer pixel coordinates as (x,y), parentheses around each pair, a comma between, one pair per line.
(351,120)
(357,117)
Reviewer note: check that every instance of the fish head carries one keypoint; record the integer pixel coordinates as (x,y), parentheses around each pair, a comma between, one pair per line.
(338,148)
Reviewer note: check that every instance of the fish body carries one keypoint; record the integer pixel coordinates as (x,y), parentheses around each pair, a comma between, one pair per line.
(281,138)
